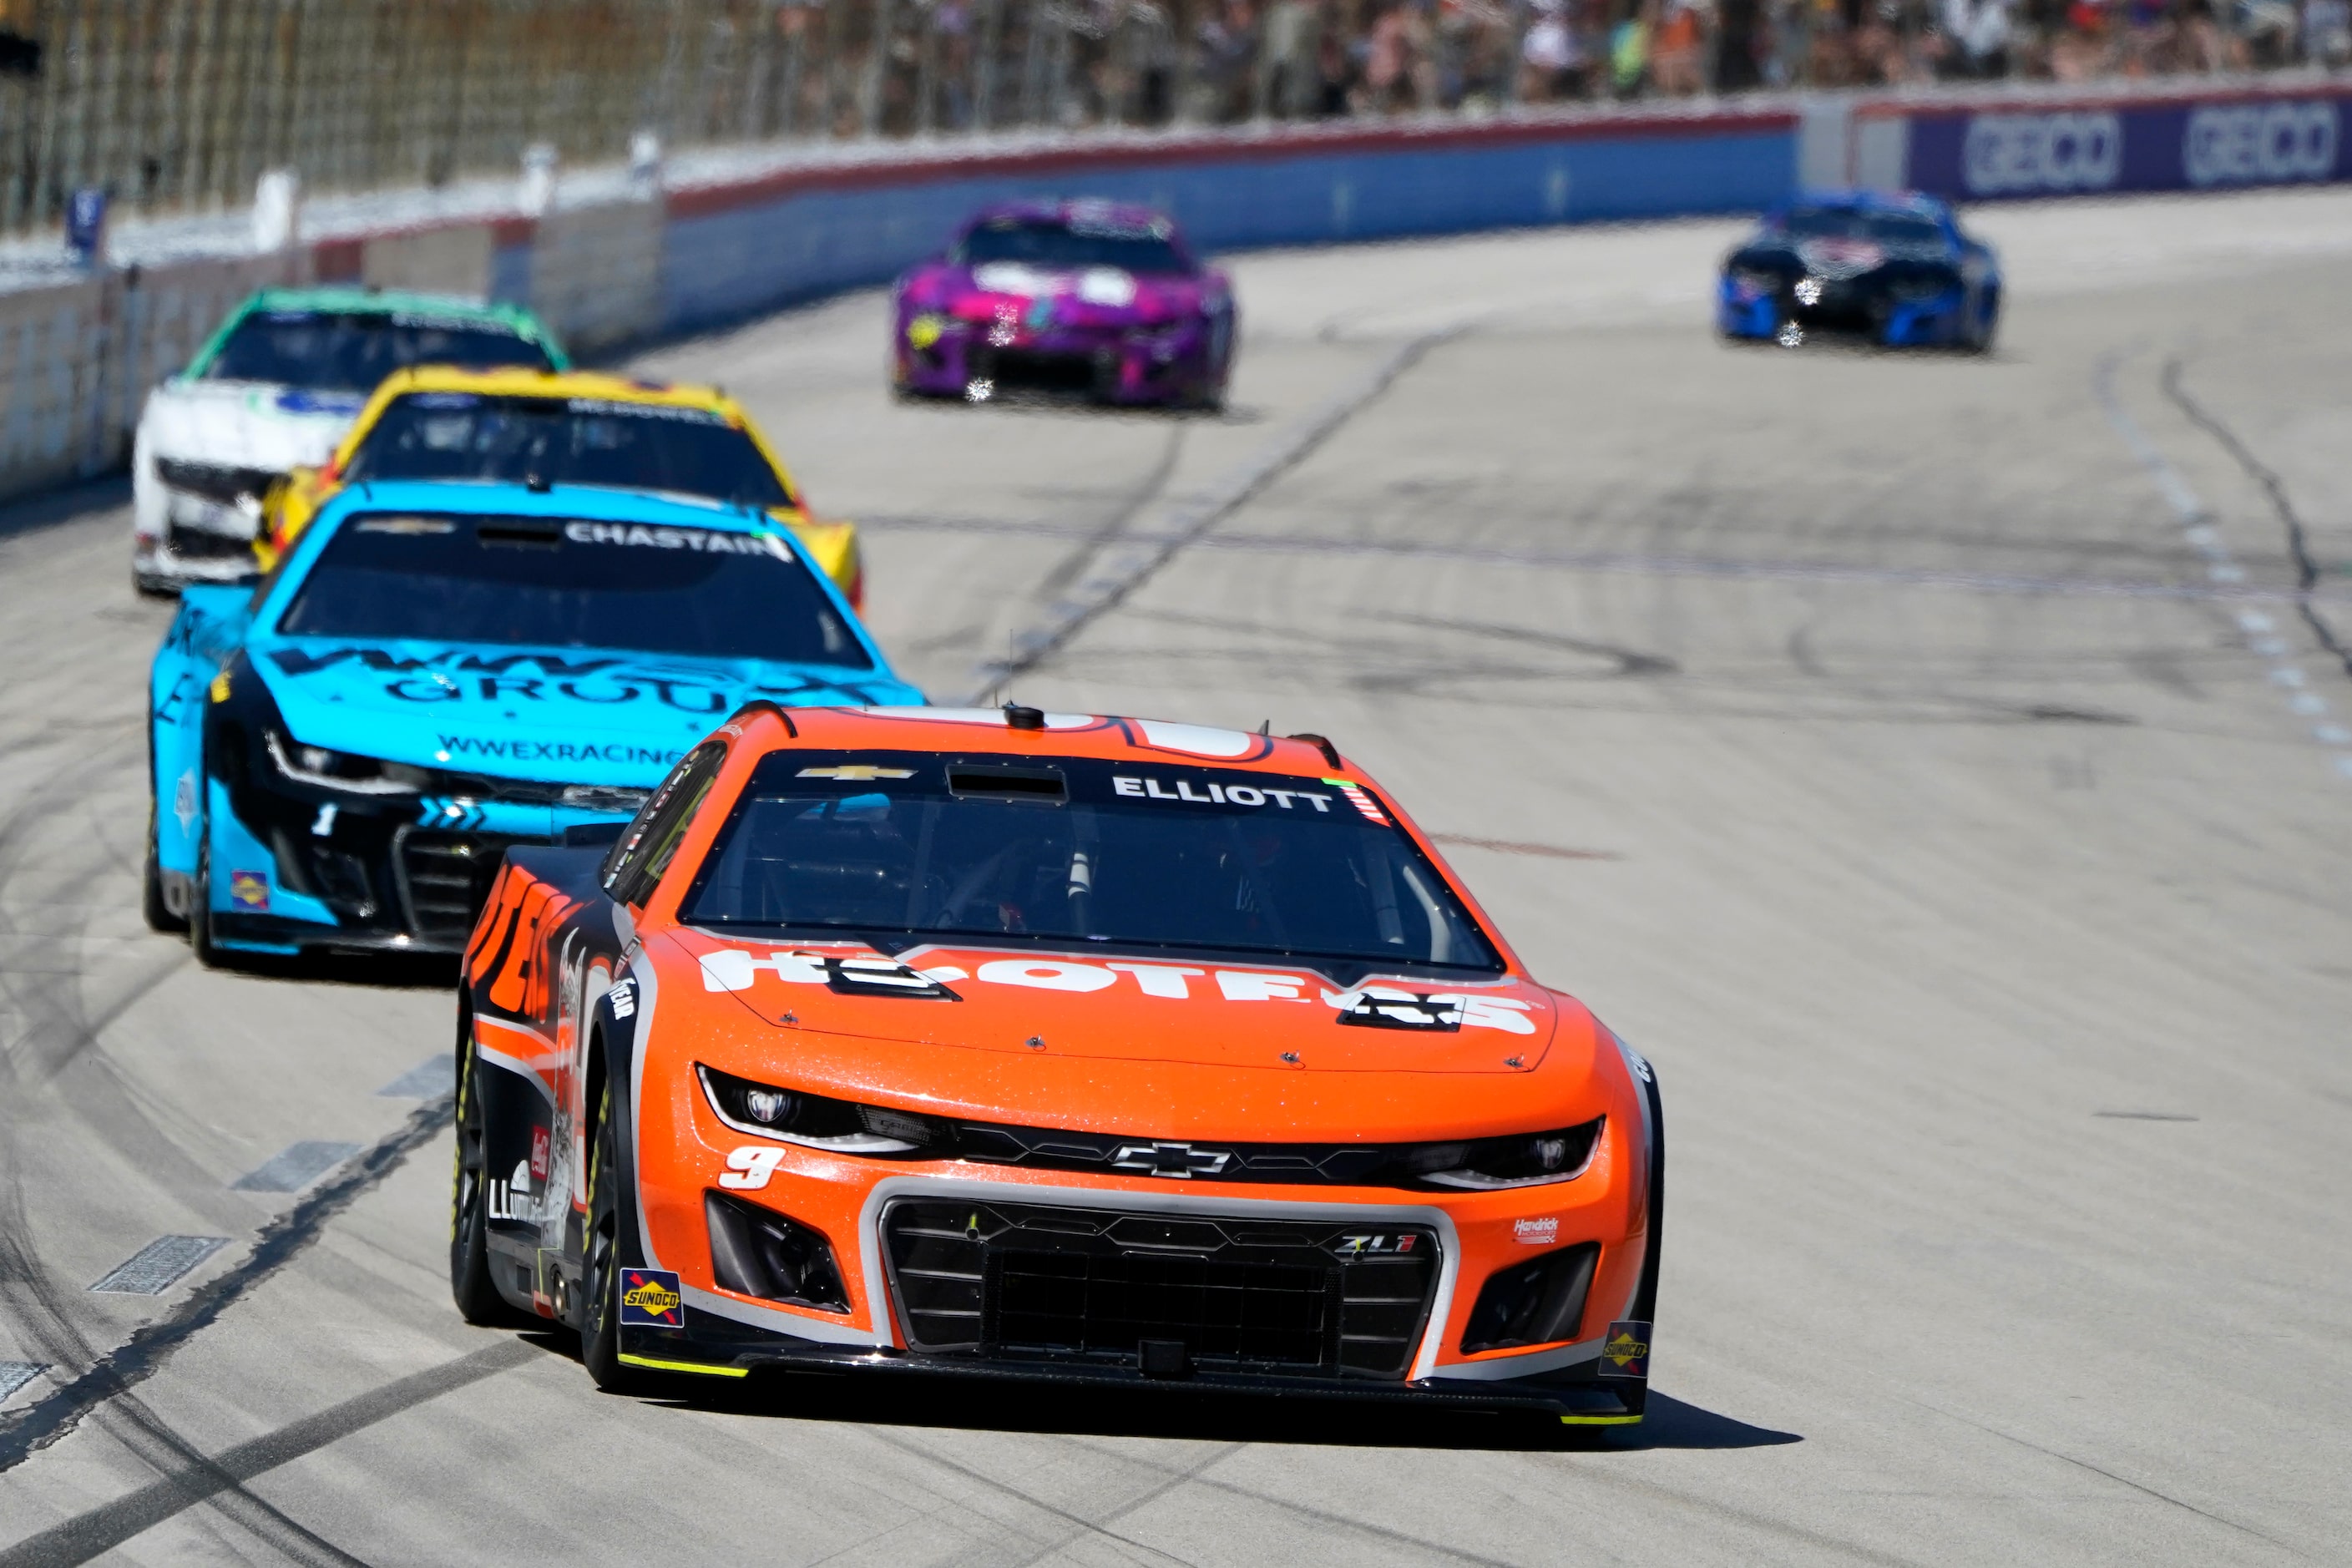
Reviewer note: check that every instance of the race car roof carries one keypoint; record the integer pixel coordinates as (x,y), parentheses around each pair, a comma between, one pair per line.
(1914,202)
(1122,214)
(592,503)
(351,299)
(1031,733)
(514,381)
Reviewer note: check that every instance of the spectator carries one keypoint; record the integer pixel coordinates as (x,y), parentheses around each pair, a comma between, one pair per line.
(2266,31)
(1978,31)
(1286,73)
(1676,48)
(2081,51)
(2327,33)
(1629,51)
(1552,58)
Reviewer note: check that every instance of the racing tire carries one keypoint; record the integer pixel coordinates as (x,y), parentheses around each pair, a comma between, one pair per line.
(600,1261)
(477,1298)
(151,903)
(200,908)
(1983,324)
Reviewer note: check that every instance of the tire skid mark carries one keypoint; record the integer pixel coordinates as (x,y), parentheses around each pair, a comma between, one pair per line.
(1172,1480)
(2148,1491)
(1124,563)
(2298,537)
(110,1376)
(1056,582)
(1085,1526)
(57,1025)
(100,1530)
(2199,528)
(1623,562)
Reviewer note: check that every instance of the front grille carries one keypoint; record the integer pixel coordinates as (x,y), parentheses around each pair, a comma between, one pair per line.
(1288,1164)
(1028,1283)
(214,481)
(203,545)
(445,879)
(1035,372)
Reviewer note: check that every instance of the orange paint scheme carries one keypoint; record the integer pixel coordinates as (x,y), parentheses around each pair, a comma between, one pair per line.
(1199,1050)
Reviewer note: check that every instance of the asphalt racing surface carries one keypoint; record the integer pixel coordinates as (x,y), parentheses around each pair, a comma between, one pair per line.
(1924,761)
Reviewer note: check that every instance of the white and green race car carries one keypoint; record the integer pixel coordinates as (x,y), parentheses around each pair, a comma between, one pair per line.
(275,388)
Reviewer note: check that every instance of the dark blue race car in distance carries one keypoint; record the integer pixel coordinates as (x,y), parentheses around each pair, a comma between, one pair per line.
(1893,269)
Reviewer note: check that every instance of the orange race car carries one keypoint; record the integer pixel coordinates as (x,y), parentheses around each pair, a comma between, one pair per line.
(1045,1046)
(572,427)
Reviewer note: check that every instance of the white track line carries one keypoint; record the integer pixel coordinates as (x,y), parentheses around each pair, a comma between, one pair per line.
(2198,527)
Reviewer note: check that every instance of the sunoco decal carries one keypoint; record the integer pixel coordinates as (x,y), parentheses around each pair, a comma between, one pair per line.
(650,1299)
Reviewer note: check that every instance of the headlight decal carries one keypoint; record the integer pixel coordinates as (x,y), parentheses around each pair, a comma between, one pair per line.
(324,769)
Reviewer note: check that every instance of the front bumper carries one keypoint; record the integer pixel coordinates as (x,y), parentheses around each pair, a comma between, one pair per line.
(1162,363)
(199,531)
(971,1269)
(1245,1323)
(1855,307)
(1575,1396)
(295,870)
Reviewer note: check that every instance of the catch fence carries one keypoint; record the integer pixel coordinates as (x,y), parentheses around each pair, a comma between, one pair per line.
(181,105)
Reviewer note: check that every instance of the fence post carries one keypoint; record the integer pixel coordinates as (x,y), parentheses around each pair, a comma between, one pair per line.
(990,40)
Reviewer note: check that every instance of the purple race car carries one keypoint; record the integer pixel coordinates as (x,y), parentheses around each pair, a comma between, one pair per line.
(1073,297)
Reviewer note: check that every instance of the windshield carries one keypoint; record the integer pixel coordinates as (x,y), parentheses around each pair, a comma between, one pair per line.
(1845,223)
(353,351)
(1069,246)
(1076,849)
(567,440)
(536,582)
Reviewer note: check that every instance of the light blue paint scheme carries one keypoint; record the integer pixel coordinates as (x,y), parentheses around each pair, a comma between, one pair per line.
(336,693)
(235,850)
(728,264)
(202,636)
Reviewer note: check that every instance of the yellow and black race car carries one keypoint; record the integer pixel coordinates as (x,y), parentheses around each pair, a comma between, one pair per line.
(441,423)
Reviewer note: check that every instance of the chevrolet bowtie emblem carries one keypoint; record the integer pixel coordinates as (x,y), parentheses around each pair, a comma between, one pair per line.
(1179,1160)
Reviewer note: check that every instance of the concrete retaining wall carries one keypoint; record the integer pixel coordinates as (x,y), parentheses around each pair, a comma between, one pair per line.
(732,236)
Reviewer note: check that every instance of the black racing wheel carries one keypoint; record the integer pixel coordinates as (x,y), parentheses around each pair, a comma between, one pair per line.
(151,902)
(600,1273)
(477,1296)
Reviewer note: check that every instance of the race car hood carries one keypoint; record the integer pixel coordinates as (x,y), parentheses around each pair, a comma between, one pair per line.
(1104,1044)
(245,424)
(568,715)
(1838,258)
(1101,296)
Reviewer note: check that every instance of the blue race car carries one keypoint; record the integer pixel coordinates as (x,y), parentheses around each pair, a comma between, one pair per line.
(340,757)
(1895,269)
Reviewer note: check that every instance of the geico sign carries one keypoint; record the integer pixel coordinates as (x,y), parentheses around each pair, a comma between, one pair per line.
(2247,144)
(2076,151)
